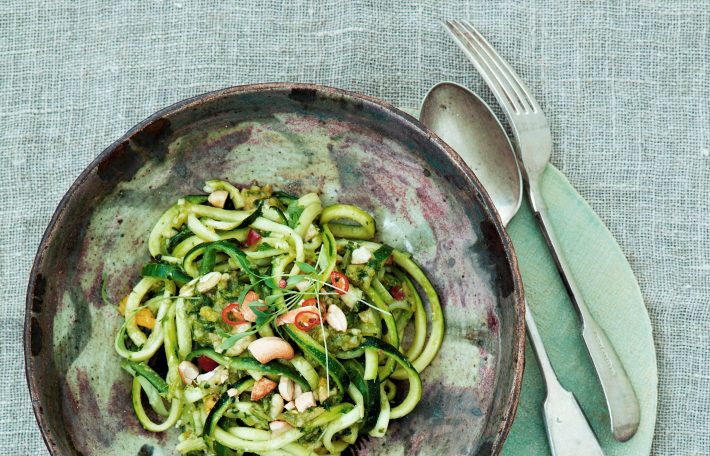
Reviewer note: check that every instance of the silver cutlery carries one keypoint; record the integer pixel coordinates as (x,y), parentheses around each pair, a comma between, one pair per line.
(534,146)
(468,125)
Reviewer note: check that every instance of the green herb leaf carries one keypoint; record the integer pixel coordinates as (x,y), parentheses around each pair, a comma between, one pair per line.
(256,306)
(293,212)
(295,279)
(244,264)
(243,294)
(262,317)
(229,342)
(271,283)
(167,272)
(305,267)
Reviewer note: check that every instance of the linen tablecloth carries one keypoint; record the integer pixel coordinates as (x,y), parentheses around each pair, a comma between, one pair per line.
(624,84)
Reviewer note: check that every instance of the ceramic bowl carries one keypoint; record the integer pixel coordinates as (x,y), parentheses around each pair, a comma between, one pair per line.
(300,138)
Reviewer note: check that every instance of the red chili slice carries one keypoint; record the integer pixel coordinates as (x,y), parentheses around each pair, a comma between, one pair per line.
(309,302)
(232,316)
(252,238)
(340,282)
(306,320)
(389,261)
(207,364)
(398,293)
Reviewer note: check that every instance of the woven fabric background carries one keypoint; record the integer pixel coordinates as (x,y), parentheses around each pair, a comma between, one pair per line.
(625,86)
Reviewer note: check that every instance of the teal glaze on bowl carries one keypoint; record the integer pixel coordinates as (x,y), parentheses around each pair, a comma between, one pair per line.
(299,138)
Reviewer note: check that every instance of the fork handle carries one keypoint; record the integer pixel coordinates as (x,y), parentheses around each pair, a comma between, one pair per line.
(624,413)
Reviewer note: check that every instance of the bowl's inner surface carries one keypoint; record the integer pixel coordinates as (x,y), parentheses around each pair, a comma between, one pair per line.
(348,150)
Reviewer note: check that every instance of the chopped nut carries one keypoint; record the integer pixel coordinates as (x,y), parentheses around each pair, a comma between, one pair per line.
(261,388)
(218,198)
(305,401)
(188,372)
(290,405)
(188,289)
(286,388)
(277,427)
(214,377)
(361,255)
(208,281)
(336,318)
(277,405)
(297,391)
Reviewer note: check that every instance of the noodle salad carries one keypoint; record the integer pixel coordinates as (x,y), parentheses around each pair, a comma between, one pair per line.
(268,324)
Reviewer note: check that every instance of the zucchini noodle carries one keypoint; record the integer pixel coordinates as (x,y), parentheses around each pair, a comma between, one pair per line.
(270,324)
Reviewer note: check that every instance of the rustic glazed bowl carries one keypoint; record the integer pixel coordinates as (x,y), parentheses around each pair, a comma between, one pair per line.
(300,138)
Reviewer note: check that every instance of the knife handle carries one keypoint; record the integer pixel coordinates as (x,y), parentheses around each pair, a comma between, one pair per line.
(624,413)
(568,431)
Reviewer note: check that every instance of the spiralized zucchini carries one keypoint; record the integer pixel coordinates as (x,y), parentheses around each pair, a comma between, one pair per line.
(268,324)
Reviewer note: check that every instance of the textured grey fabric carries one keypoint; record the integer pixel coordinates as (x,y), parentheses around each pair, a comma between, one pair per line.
(625,86)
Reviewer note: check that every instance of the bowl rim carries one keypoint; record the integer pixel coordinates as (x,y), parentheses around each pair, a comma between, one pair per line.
(518,345)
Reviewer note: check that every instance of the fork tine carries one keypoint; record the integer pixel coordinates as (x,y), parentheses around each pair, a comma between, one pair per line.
(500,88)
(497,65)
(518,85)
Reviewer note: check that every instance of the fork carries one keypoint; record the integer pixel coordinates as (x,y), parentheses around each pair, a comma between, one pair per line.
(533,143)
